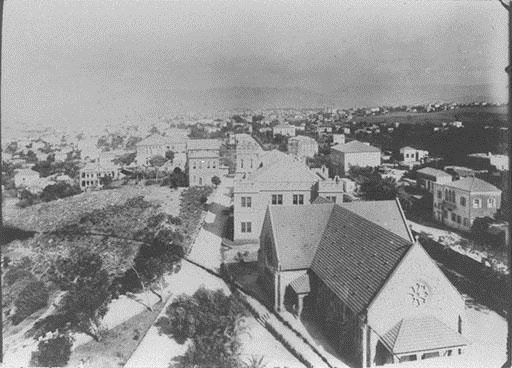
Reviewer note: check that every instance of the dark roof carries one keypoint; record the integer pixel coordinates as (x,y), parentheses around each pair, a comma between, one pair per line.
(356,256)
(421,334)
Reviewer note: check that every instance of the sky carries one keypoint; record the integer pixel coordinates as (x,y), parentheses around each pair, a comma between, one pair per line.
(73,62)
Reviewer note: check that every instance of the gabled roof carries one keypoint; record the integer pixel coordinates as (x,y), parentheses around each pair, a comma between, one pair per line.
(301,284)
(387,214)
(203,144)
(472,184)
(297,232)
(354,147)
(420,334)
(433,172)
(356,256)
(280,167)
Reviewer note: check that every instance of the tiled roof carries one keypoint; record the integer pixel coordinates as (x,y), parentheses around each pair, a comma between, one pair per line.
(356,256)
(321,200)
(354,146)
(387,214)
(433,172)
(297,231)
(301,284)
(420,334)
(472,184)
(203,144)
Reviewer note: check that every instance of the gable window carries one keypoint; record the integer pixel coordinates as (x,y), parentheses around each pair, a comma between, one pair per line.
(463,201)
(246,202)
(298,199)
(277,199)
(491,202)
(246,227)
(477,203)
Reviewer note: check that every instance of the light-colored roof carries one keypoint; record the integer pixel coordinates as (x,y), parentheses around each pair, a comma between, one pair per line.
(354,147)
(27,172)
(421,334)
(282,168)
(154,140)
(302,138)
(384,213)
(433,172)
(297,231)
(301,284)
(284,126)
(203,144)
(472,184)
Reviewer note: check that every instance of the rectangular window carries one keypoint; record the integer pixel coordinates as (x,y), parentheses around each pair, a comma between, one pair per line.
(491,203)
(454,217)
(246,202)
(214,164)
(277,199)
(477,203)
(246,227)
(459,219)
(439,194)
(298,199)
(463,201)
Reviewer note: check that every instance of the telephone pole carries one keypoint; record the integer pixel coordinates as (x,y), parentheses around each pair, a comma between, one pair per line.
(508,69)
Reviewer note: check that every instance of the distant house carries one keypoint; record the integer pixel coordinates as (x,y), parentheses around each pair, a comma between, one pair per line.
(60,156)
(91,174)
(204,161)
(427,176)
(380,299)
(456,124)
(25,178)
(158,145)
(355,153)
(457,204)
(338,139)
(284,129)
(248,153)
(302,146)
(410,156)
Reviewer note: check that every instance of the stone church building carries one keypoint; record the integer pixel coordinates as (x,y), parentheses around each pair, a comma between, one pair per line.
(357,270)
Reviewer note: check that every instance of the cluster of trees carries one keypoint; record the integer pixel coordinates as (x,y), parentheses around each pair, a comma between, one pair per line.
(213,321)
(50,167)
(372,185)
(50,193)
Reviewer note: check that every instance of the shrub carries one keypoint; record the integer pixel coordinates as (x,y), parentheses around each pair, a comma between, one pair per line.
(50,323)
(33,297)
(15,274)
(52,352)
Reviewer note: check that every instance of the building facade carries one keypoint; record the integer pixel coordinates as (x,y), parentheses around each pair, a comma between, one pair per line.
(280,180)
(380,299)
(203,161)
(427,177)
(410,156)
(457,204)
(302,146)
(158,145)
(284,129)
(91,174)
(248,153)
(355,153)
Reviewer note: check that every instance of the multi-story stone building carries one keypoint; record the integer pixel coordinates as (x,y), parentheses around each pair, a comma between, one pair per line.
(91,174)
(426,177)
(284,129)
(410,156)
(457,204)
(280,179)
(355,153)
(373,289)
(203,161)
(302,146)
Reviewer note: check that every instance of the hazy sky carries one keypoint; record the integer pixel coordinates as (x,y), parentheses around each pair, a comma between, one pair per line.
(71,60)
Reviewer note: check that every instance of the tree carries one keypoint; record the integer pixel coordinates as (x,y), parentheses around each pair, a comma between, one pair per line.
(33,297)
(11,148)
(125,159)
(169,155)
(59,190)
(131,142)
(87,287)
(53,351)
(157,161)
(376,188)
(212,320)
(215,180)
(106,181)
